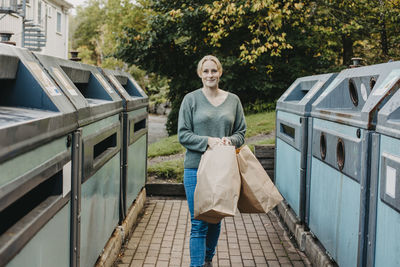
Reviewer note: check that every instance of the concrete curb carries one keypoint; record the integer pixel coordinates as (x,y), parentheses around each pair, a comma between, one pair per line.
(306,242)
(114,244)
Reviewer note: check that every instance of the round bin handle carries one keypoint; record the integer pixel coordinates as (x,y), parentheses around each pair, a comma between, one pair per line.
(372,83)
(322,146)
(340,154)
(353,92)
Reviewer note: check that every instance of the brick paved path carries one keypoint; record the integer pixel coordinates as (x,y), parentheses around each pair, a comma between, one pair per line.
(161,238)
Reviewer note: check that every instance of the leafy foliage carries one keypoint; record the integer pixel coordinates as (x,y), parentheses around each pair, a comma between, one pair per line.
(264,45)
(181,32)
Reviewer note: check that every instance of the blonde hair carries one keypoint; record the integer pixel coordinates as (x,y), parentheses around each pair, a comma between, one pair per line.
(211,58)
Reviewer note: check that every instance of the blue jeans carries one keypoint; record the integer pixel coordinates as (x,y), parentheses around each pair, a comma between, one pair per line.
(203,236)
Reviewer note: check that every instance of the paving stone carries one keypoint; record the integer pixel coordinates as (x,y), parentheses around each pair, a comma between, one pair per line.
(128,252)
(283,260)
(298,264)
(151,259)
(249,263)
(224,263)
(274,264)
(236,259)
(247,256)
(161,238)
(136,263)
(270,256)
(162,264)
(139,256)
(126,259)
(175,262)
(260,260)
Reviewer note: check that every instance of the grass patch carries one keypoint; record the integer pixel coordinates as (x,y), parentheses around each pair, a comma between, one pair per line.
(260,123)
(168,169)
(166,146)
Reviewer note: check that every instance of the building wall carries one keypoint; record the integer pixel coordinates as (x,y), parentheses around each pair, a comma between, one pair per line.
(57,39)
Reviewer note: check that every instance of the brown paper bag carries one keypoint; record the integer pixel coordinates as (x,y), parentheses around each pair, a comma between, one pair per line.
(218,184)
(258,194)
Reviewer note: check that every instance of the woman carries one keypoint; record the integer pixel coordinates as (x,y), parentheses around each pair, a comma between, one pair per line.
(207,117)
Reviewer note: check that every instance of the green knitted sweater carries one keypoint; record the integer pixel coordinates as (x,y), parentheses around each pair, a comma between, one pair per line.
(199,119)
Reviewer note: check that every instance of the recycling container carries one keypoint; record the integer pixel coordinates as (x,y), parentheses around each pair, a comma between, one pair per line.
(292,111)
(343,119)
(384,212)
(99,110)
(135,127)
(37,123)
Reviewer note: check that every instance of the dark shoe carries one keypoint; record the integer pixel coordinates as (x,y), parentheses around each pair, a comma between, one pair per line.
(208,264)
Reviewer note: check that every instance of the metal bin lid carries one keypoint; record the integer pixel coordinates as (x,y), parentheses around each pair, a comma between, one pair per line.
(355,95)
(133,95)
(85,86)
(388,121)
(33,110)
(303,92)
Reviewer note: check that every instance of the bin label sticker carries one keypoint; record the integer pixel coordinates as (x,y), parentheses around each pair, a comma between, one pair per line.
(103,82)
(364,93)
(314,89)
(64,82)
(50,87)
(116,83)
(390,182)
(66,178)
(388,83)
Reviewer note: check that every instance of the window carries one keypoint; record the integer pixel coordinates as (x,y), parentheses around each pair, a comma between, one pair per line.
(59,22)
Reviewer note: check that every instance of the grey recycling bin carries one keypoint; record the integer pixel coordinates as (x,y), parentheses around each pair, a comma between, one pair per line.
(384,213)
(36,141)
(292,111)
(343,119)
(135,126)
(99,110)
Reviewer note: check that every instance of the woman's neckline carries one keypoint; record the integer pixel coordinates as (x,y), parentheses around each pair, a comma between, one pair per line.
(209,102)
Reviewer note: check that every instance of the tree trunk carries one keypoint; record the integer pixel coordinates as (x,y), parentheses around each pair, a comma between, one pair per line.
(347,43)
(383,33)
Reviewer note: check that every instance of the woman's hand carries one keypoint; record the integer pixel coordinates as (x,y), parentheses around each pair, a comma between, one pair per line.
(214,141)
(226,141)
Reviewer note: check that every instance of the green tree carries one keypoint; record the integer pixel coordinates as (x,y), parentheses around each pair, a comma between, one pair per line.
(89,29)
(180,33)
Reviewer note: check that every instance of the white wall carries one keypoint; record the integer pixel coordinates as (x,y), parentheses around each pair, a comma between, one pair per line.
(57,41)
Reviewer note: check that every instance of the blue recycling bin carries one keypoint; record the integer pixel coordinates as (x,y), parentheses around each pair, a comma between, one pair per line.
(99,117)
(384,212)
(292,111)
(135,127)
(343,119)
(37,123)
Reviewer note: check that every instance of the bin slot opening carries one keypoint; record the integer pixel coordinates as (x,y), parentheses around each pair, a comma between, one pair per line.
(108,143)
(129,86)
(86,83)
(24,205)
(300,91)
(288,130)
(23,91)
(139,125)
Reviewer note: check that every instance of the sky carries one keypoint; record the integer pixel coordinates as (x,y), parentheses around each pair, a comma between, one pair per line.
(75,3)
